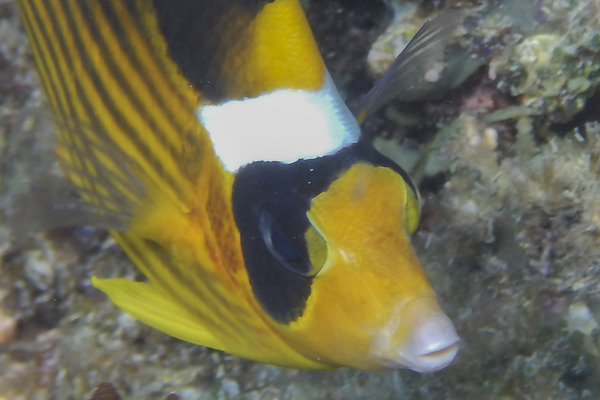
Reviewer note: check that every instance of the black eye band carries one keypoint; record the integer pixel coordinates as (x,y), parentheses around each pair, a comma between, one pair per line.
(270,203)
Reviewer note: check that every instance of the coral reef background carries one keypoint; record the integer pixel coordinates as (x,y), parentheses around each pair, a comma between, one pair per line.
(508,164)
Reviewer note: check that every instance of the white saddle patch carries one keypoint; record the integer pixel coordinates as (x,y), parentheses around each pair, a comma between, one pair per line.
(284,125)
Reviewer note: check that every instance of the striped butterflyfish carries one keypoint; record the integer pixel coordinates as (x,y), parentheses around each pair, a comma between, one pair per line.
(210,139)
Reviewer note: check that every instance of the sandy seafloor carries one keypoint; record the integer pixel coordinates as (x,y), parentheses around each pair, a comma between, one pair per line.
(509,236)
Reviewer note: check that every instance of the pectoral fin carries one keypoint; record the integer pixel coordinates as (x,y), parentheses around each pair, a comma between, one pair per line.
(150,305)
(405,79)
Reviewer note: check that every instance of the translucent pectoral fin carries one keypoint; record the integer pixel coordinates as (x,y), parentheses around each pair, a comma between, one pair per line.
(406,78)
(150,305)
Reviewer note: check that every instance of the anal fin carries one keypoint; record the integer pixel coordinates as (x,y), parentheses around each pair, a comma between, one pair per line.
(150,305)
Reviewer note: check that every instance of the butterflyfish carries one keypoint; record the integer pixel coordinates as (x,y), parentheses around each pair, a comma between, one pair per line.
(211,140)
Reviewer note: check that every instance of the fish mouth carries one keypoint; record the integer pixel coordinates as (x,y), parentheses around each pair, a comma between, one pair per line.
(419,336)
(433,361)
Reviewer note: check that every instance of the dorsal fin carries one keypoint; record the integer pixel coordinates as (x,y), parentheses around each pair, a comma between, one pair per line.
(422,53)
(124,115)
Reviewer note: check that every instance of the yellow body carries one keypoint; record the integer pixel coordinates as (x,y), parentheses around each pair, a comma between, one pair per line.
(129,139)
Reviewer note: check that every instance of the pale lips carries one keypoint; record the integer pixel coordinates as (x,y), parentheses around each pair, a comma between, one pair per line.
(420,337)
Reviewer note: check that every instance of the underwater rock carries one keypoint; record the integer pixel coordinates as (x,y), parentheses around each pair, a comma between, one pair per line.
(389,44)
(107,391)
(8,327)
(552,64)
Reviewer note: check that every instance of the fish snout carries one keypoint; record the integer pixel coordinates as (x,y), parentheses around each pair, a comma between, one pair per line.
(420,337)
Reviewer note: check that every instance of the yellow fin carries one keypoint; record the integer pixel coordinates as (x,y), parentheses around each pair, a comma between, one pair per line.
(150,305)
(125,117)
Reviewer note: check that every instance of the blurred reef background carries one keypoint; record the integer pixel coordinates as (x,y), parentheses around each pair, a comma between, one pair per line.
(506,154)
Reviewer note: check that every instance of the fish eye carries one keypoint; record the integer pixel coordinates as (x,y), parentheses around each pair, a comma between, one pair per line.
(289,248)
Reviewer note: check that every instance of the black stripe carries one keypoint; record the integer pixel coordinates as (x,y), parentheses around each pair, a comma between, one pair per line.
(41,62)
(53,41)
(129,91)
(53,56)
(133,94)
(70,123)
(118,197)
(128,130)
(229,309)
(183,276)
(128,47)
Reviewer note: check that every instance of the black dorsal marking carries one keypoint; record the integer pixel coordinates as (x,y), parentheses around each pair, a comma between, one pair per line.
(284,193)
(200,32)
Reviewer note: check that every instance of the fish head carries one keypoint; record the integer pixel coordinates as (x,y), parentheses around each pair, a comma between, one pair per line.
(371,305)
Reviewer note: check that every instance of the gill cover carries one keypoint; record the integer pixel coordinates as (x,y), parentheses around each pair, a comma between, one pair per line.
(281,236)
